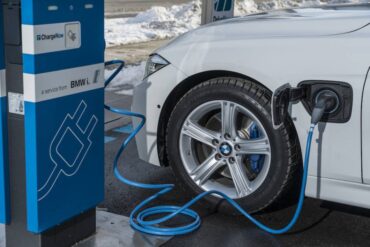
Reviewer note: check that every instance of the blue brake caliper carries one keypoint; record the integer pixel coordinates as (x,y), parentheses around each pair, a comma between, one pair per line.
(256,159)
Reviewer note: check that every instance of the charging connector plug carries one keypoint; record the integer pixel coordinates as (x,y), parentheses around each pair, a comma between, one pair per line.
(327,101)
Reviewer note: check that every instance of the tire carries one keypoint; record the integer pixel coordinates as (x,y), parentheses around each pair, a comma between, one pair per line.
(284,157)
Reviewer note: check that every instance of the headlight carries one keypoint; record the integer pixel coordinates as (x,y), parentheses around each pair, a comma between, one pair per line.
(155,63)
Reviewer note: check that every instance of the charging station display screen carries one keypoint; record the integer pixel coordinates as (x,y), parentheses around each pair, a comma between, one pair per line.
(223,9)
(63,66)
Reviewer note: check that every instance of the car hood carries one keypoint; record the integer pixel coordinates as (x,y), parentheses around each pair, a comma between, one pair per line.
(300,22)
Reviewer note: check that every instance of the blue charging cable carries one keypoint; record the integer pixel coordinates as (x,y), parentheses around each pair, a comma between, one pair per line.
(139,216)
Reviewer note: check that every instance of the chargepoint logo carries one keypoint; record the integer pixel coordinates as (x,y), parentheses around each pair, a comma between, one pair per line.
(41,37)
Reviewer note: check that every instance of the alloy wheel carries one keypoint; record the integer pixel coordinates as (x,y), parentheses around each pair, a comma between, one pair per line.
(224,147)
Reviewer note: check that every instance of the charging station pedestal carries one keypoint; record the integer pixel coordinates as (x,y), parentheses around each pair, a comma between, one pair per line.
(54,57)
(4,169)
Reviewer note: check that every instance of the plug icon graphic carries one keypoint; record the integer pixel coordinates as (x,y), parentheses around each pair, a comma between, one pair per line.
(69,148)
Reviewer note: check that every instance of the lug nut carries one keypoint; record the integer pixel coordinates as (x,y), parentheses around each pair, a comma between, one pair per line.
(227,136)
(215,142)
(218,156)
(237,147)
(232,160)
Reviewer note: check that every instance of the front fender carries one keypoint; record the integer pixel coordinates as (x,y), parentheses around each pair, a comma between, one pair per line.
(276,61)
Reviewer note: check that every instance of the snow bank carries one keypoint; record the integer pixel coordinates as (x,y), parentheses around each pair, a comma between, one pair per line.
(127,79)
(244,7)
(163,23)
(155,23)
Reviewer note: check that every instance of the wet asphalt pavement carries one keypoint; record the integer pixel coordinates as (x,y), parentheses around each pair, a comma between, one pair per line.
(321,223)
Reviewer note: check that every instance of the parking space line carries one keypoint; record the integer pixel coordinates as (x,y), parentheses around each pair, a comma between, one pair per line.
(127,129)
(108,139)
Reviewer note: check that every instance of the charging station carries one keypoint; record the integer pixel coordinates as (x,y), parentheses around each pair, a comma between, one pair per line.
(215,10)
(55,79)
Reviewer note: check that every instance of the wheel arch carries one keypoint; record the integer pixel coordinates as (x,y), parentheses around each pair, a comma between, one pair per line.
(178,92)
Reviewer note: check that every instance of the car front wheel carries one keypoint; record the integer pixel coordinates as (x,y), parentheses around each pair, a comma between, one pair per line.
(220,137)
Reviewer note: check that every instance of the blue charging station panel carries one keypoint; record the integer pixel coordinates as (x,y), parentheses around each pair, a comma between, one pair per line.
(4,179)
(63,73)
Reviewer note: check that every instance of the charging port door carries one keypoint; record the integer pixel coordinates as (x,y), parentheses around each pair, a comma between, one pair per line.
(281,102)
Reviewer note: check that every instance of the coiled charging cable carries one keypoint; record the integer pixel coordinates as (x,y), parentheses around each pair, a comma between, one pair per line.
(139,216)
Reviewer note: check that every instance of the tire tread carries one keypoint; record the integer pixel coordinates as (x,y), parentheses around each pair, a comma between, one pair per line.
(262,98)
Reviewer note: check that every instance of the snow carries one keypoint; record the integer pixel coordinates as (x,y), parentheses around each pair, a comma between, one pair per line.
(128,78)
(155,23)
(244,7)
(164,23)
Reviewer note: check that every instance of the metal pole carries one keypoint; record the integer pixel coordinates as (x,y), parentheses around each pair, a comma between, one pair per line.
(206,11)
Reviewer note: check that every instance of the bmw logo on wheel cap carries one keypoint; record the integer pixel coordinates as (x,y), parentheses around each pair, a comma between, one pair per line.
(225,149)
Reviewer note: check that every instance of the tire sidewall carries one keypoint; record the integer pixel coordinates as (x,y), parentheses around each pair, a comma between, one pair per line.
(248,98)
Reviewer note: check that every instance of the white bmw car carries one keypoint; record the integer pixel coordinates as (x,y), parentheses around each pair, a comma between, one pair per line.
(207,98)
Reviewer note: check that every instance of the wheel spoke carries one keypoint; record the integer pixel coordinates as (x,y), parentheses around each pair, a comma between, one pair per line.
(200,133)
(254,146)
(228,115)
(239,177)
(205,170)
(227,135)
